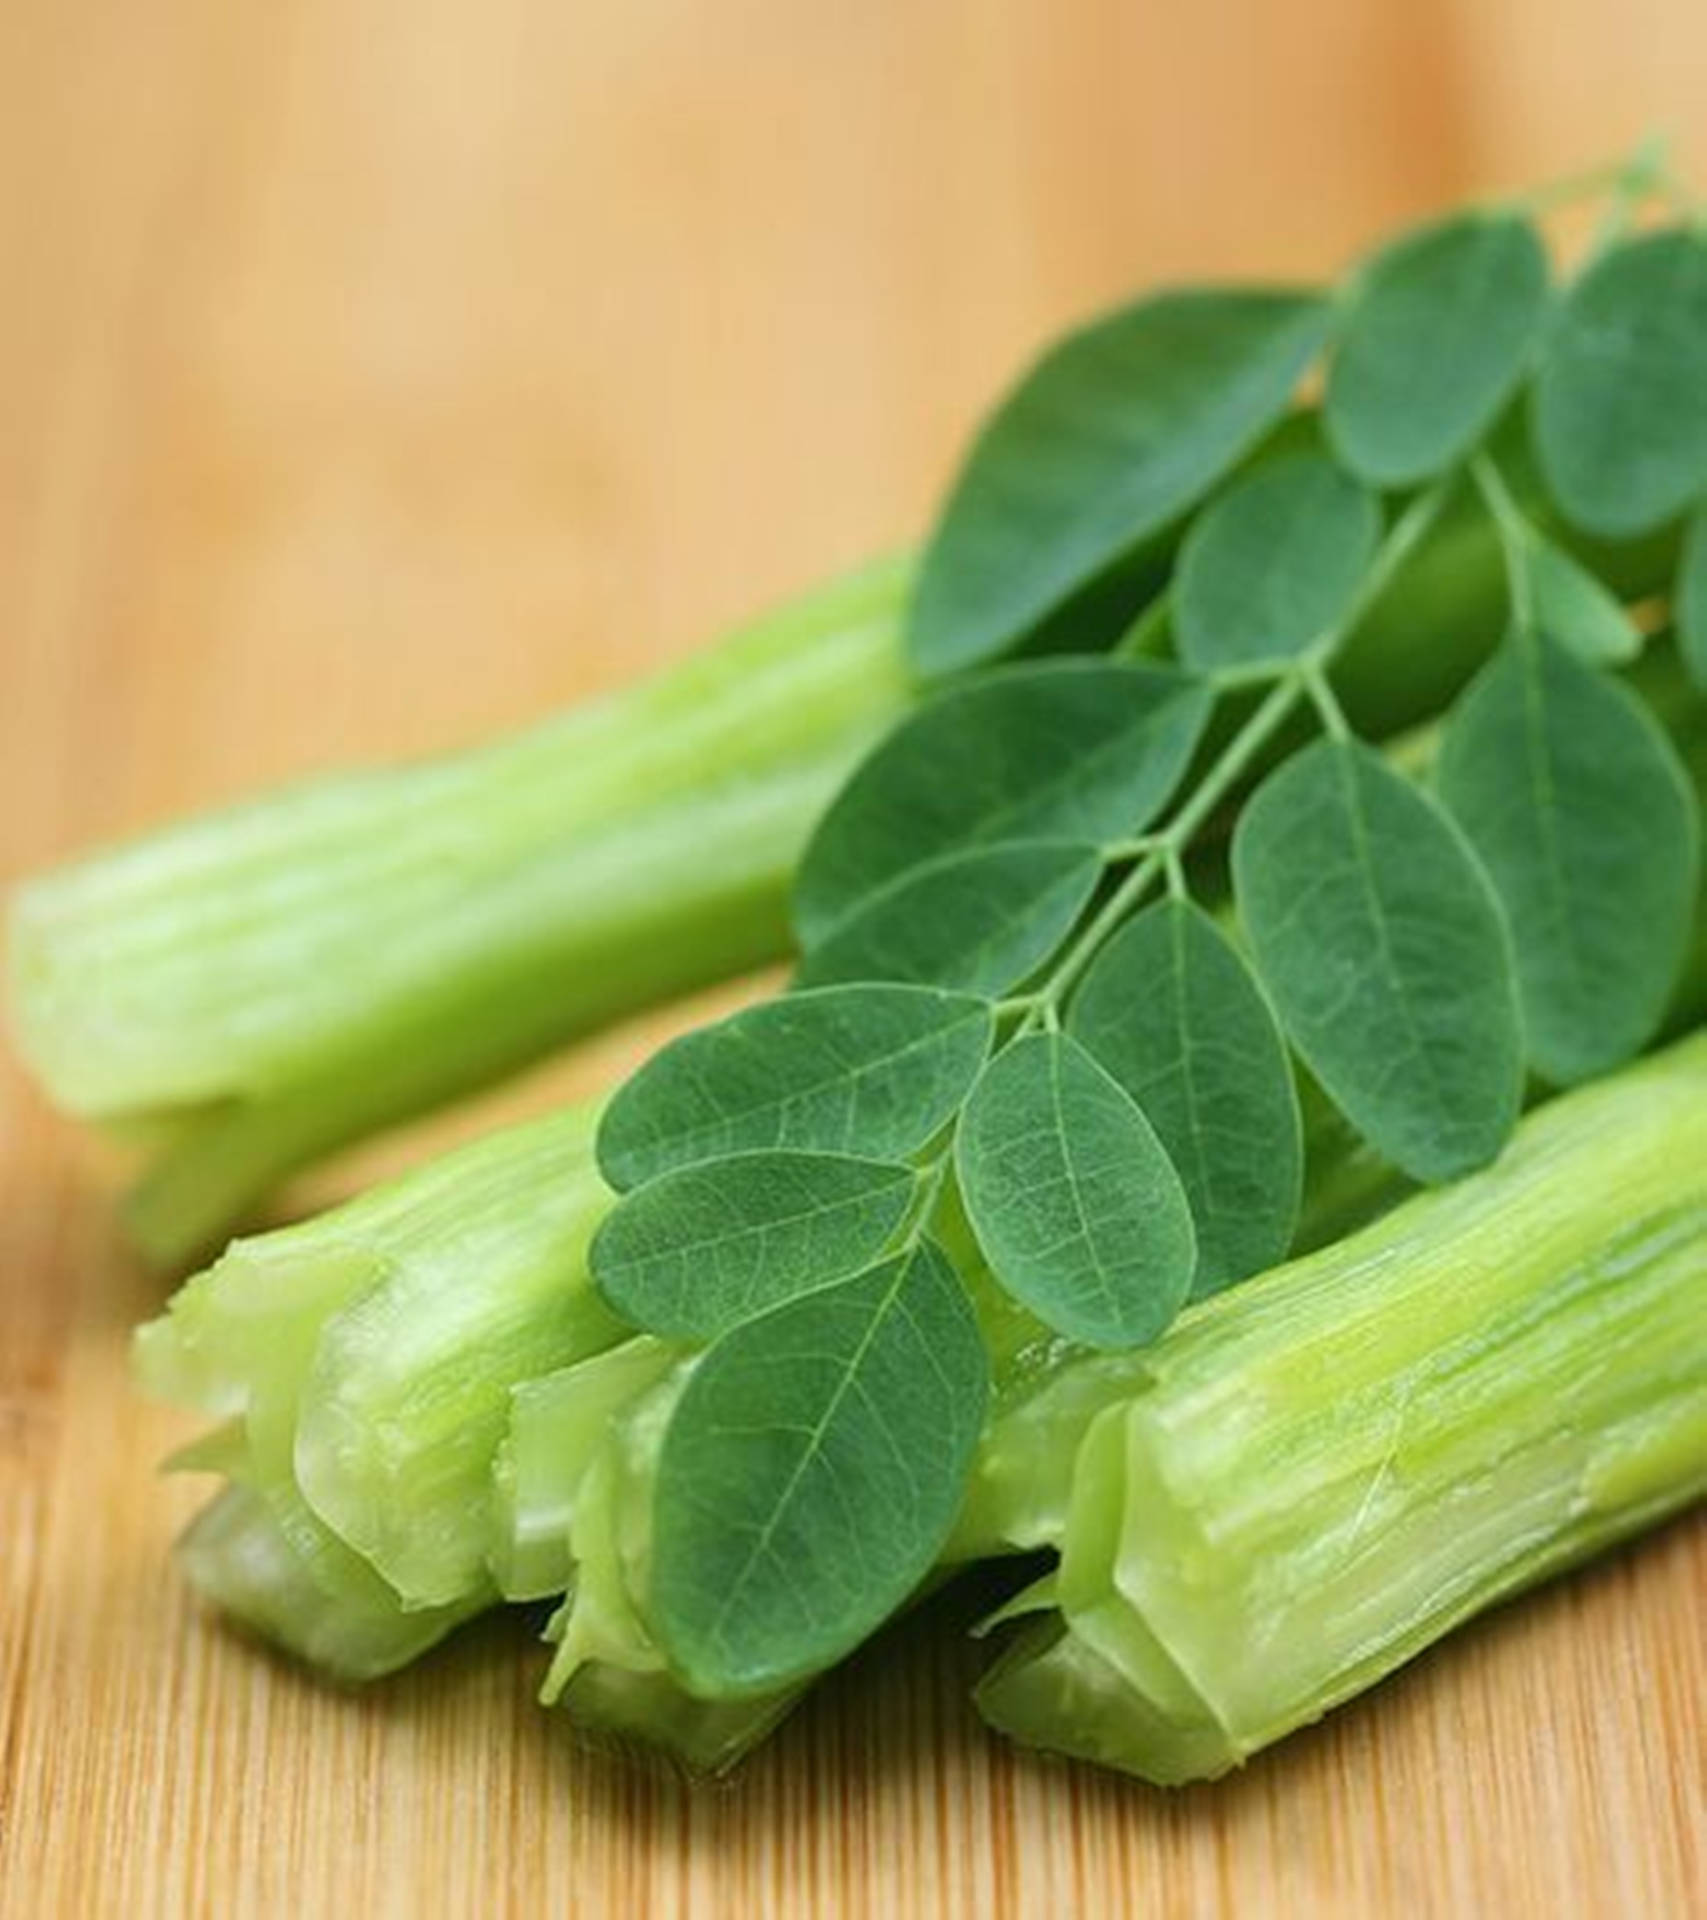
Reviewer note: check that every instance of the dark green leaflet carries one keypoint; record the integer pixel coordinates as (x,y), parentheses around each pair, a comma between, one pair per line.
(1073,1200)
(1570,605)
(811,1472)
(1620,412)
(1691,599)
(1274,564)
(1068,749)
(1383,949)
(871,1069)
(1441,326)
(1172,1012)
(702,1248)
(1113,432)
(981,920)
(1576,802)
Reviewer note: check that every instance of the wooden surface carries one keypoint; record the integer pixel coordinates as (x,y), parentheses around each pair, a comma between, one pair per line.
(377,372)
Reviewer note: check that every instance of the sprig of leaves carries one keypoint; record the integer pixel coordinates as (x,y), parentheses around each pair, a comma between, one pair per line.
(1011,1004)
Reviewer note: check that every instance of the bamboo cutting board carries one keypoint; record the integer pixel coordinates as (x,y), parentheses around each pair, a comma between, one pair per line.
(375,373)
(1548,1762)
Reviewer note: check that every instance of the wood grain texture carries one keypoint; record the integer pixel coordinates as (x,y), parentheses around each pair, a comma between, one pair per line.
(374,373)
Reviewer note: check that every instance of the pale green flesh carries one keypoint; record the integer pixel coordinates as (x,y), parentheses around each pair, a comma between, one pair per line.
(237,1556)
(557,1426)
(364,1363)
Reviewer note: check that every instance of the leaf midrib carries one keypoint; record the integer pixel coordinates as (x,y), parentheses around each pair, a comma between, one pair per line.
(814,1442)
(1105,1287)
(1364,864)
(791,1104)
(1544,790)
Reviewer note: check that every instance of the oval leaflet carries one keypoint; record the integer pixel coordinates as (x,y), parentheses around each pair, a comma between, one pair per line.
(1072,1197)
(811,1472)
(871,1069)
(1570,605)
(702,1248)
(1385,954)
(1274,564)
(1588,827)
(980,921)
(1620,404)
(1085,750)
(1170,1010)
(1441,326)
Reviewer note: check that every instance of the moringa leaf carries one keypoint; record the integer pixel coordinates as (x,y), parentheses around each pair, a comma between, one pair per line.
(1571,606)
(1690,599)
(1171,1011)
(1441,327)
(702,1248)
(1070,749)
(1620,406)
(980,921)
(811,1472)
(1072,1197)
(1275,563)
(872,1069)
(1384,951)
(1587,824)
(1117,429)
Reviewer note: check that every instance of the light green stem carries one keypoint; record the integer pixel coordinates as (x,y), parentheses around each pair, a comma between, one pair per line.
(262,986)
